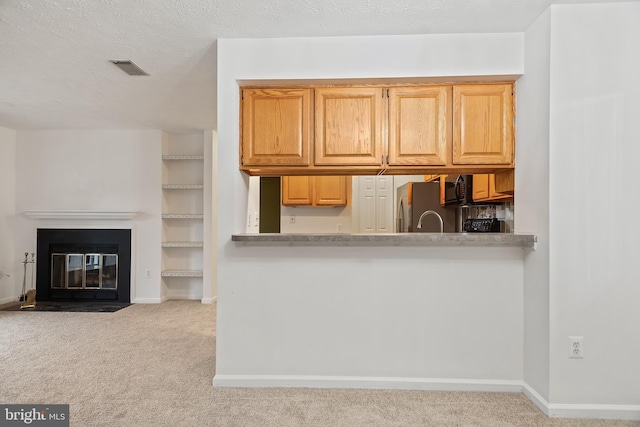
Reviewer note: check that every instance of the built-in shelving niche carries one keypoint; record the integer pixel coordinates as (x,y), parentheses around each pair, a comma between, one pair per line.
(182,215)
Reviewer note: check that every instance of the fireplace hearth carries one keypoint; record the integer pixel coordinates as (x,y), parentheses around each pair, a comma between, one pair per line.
(83,265)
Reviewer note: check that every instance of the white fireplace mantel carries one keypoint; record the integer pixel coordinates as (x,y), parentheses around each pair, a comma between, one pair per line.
(79,215)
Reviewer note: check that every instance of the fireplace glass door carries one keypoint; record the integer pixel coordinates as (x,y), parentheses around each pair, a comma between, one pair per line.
(84,271)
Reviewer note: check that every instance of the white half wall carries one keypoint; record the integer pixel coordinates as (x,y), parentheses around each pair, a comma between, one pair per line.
(95,170)
(9,267)
(383,312)
(594,148)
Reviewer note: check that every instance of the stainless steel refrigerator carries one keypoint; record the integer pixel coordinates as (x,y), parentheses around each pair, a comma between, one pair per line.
(413,199)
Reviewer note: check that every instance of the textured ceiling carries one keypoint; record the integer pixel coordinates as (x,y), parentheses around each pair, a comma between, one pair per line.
(54,72)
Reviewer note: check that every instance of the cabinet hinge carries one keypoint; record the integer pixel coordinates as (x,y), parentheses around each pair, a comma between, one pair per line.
(387,93)
(387,159)
(242,160)
(242,93)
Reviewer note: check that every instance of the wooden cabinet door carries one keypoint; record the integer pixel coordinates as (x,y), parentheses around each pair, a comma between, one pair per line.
(505,182)
(316,190)
(348,126)
(480,187)
(419,125)
(494,194)
(297,190)
(276,126)
(484,189)
(331,190)
(483,124)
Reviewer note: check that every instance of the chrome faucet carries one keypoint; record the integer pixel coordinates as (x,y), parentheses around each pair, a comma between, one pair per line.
(425,213)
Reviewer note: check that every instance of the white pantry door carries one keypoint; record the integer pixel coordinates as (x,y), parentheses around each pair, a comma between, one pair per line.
(374,204)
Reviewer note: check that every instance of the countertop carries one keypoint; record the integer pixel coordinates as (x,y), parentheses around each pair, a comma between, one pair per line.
(395,239)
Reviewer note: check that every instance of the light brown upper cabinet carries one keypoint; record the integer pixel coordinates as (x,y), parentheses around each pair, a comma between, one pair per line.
(297,190)
(483,124)
(480,187)
(484,189)
(316,190)
(349,126)
(366,130)
(419,125)
(276,126)
(505,182)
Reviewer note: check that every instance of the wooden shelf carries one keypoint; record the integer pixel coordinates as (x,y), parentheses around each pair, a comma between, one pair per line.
(182,244)
(182,273)
(182,186)
(182,216)
(181,157)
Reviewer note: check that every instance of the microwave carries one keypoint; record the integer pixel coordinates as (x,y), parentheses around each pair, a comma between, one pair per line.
(458,190)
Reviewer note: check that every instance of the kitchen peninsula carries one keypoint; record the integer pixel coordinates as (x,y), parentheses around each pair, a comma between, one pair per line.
(395,239)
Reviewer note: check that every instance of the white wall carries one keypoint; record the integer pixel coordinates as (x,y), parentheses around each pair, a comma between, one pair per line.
(532,199)
(209,251)
(95,170)
(316,220)
(8,263)
(594,148)
(383,312)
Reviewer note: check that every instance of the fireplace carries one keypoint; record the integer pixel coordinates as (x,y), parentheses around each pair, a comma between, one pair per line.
(83,265)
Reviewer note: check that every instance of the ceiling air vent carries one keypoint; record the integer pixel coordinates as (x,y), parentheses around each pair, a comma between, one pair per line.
(129,67)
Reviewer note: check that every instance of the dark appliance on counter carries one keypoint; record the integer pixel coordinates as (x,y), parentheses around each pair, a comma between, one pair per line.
(413,199)
(482,225)
(458,190)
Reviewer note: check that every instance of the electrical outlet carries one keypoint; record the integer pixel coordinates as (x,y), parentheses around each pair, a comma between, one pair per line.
(147,273)
(256,219)
(339,228)
(576,348)
(292,219)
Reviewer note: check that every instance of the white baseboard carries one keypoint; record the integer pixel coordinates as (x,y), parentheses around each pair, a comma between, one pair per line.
(536,398)
(209,300)
(398,383)
(619,412)
(8,300)
(605,412)
(560,410)
(146,300)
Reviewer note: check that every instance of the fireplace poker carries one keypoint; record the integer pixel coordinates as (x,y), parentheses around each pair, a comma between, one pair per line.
(28,296)
(33,266)
(26,261)
(24,279)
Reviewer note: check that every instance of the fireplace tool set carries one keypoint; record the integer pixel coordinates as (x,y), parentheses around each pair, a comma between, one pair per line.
(28,297)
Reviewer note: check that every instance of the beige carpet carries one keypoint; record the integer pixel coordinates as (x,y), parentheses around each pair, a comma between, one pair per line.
(152,365)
